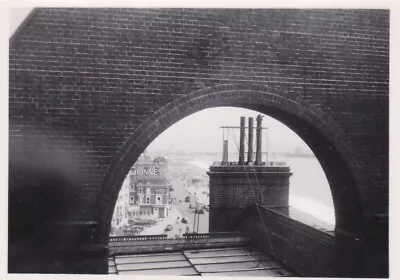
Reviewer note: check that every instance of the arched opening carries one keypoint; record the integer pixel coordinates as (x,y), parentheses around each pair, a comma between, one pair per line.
(199,135)
(191,146)
(320,133)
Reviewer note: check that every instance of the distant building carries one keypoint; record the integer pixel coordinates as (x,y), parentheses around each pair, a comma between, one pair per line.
(144,192)
(149,188)
(121,210)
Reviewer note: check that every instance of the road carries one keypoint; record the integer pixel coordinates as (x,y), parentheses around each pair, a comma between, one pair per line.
(181,175)
(178,195)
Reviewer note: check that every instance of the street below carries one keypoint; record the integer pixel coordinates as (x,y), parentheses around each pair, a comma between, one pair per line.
(178,196)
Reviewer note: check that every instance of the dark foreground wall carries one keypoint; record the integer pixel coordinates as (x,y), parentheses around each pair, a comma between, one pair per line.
(89,89)
(310,248)
(302,248)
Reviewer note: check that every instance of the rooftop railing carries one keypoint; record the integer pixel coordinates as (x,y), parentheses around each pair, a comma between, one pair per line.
(160,243)
(137,238)
(234,163)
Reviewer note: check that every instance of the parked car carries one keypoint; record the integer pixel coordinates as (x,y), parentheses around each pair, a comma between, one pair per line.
(168,228)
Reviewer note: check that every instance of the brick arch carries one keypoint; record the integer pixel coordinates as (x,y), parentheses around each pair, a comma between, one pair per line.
(103,83)
(321,133)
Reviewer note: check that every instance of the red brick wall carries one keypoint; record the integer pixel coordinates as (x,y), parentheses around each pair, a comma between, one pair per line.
(89,89)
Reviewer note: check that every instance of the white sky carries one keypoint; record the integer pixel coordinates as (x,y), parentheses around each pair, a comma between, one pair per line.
(201,132)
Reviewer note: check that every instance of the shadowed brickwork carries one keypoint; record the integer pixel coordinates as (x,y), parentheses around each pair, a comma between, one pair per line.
(89,89)
(234,188)
(301,247)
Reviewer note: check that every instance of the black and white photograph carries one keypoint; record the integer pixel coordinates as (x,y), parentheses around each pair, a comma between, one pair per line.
(198,141)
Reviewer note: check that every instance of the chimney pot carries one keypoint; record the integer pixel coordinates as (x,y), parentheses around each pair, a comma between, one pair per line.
(241,145)
(225,153)
(259,140)
(251,140)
